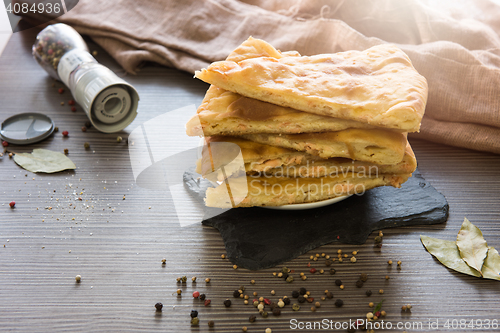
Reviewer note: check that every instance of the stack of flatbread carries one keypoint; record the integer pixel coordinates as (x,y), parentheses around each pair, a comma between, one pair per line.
(302,129)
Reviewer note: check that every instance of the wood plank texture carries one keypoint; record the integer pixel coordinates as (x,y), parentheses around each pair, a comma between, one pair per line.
(117,245)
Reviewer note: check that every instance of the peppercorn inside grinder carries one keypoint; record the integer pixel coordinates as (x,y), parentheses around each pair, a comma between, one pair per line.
(109,102)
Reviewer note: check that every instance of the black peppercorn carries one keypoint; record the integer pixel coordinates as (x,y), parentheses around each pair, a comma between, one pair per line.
(286,300)
(211,323)
(328,262)
(295,294)
(359,283)
(227,303)
(264,314)
(363,277)
(338,282)
(368,293)
(301,299)
(339,303)
(329,295)
(276,312)
(158,306)
(202,297)
(285,276)
(194,314)
(302,291)
(332,271)
(88,124)
(273,305)
(236,293)
(252,318)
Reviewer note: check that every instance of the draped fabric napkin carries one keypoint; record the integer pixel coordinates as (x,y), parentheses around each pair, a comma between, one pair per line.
(455,44)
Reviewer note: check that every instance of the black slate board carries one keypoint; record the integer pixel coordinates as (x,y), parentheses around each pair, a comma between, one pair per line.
(257,238)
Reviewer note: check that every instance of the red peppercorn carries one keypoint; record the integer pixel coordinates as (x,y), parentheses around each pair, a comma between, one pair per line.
(50,51)
(196,294)
(267,301)
(65,133)
(73,109)
(5,143)
(377,314)
(60,90)
(12,204)
(313,270)
(308,264)
(71,102)
(207,302)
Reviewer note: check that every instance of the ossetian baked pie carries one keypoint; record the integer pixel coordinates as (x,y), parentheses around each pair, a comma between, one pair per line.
(378,86)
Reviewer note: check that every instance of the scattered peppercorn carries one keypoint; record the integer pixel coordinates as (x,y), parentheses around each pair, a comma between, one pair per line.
(202,297)
(164,261)
(310,299)
(338,282)
(196,294)
(268,330)
(88,124)
(295,307)
(84,129)
(193,279)
(78,278)
(60,90)
(66,151)
(289,279)
(276,312)
(339,303)
(301,299)
(332,271)
(71,102)
(207,302)
(387,277)
(86,145)
(184,279)
(65,133)
(328,262)
(158,306)
(329,295)
(10,155)
(252,318)
(359,283)
(73,109)
(211,323)
(12,204)
(363,277)
(313,270)
(227,303)
(5,143)
(381,291)
(383,313)
(353,259)
(207,280)
(317,304)
(244,328)
(295,294)
(179,291)
(390,262)
(56,129)
(264,314)
(236,293)
(195,321)
(371,305)
(368,293)
(378,239)
(313,308)
(302,291)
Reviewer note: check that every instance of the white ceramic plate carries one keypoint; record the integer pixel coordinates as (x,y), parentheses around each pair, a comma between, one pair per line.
(311,205)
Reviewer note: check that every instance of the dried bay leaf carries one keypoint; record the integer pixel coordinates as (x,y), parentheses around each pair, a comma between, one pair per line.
(472,245)
(491,266)
(44,160)
(448,254)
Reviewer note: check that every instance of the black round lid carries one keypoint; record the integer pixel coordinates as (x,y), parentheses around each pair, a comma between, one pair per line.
(26,128)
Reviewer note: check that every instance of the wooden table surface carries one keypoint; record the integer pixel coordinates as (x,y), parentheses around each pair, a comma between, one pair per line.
(116,245)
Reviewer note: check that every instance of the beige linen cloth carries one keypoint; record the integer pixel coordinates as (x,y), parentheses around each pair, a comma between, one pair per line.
(455,44)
